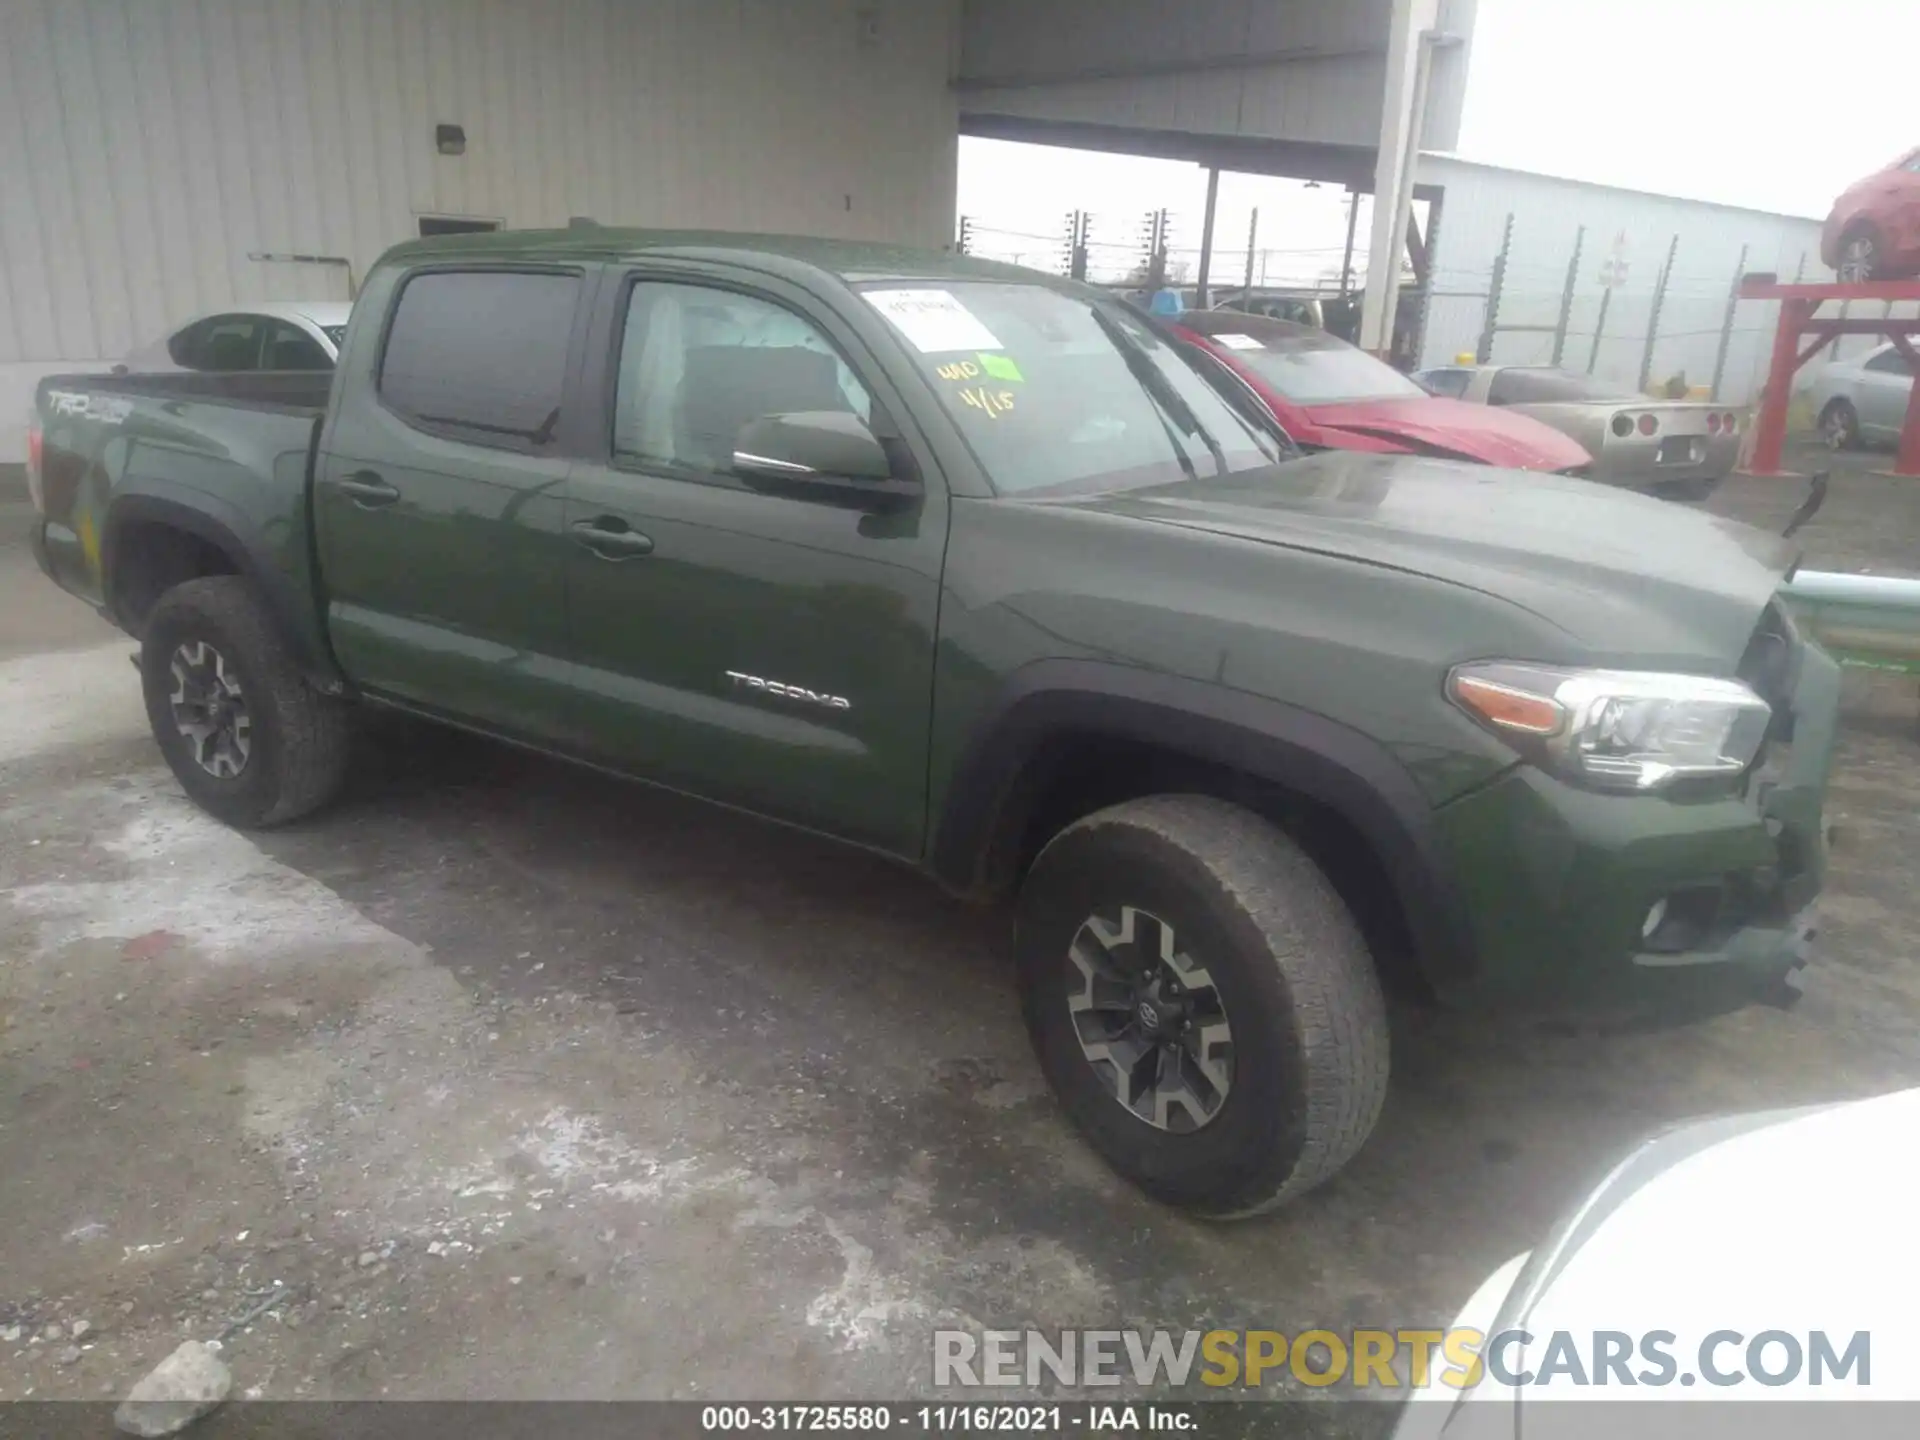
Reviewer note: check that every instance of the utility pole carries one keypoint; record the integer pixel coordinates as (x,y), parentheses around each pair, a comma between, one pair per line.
(1613,274)
(1353,221)
(1253,238)
(1490,326)
(1726,325)
(1566,295)
(1653,316)
(1200,299)
(1156,252)
(1078,222)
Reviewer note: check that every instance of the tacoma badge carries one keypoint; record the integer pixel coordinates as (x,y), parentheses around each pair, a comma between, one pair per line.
(790,692)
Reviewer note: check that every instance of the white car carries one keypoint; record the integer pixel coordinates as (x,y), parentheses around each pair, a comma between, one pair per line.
(1752,1258)
(279,335)
(1864,401)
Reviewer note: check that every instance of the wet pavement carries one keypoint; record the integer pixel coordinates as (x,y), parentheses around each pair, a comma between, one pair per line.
(505,1079)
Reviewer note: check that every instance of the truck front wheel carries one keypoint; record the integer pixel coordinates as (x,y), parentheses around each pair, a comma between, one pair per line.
(1202,1003)
(245,734)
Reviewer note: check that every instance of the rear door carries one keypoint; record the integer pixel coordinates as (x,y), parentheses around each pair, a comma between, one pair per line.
(767,650)
(437,499)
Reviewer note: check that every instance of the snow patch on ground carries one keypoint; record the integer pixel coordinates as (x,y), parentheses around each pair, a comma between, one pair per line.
(190,875)
(858,1310)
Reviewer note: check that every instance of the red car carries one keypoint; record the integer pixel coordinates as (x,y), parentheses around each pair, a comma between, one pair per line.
(1329,394)
(1874,230)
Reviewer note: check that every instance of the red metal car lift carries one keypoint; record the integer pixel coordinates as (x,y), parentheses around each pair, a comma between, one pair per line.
(1800,334)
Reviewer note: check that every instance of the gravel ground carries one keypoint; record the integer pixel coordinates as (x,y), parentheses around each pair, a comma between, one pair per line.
(505,1080)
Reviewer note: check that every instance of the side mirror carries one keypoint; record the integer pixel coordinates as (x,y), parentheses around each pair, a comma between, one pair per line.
(825,455)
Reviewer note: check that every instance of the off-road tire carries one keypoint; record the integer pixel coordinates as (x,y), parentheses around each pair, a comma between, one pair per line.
(1309,1022)
(300,739)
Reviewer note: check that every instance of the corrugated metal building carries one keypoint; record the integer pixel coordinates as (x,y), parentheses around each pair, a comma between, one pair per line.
(149,150)
(152,150)
(1710,245)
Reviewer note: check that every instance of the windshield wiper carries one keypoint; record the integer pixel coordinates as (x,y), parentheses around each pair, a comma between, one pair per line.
(1160,390)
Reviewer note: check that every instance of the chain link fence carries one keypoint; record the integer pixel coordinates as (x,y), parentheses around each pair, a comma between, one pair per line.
(1668,323)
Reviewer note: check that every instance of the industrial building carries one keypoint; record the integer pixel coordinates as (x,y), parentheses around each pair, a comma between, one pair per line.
(163,158)
(160,158)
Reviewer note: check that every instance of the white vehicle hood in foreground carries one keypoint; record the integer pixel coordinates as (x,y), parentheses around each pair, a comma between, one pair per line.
(1800,1222)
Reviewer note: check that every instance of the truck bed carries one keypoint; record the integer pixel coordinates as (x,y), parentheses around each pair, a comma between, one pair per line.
(235,448)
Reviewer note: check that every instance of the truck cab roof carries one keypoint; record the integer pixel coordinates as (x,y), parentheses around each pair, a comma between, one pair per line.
(851,261)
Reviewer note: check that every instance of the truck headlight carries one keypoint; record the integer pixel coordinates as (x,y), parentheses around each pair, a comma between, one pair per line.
(1616,729)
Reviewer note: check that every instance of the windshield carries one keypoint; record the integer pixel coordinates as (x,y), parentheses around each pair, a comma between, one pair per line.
(1317,369)
(1052,390)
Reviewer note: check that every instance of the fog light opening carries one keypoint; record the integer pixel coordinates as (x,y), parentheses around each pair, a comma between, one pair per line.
(1656,917)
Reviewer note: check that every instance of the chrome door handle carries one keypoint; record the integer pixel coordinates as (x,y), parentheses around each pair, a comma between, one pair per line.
(611,539)
(367,490)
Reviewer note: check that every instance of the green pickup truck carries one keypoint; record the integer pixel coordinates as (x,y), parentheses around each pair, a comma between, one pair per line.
(976,569)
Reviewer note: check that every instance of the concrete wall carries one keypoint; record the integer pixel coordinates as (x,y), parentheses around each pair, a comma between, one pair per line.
(1547,215)
(148,149)
(1299,70)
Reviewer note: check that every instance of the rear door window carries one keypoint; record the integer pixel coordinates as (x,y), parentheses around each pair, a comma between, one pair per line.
(481,355)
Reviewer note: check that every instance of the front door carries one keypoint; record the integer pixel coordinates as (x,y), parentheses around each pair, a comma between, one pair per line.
(761,649)
(438,500)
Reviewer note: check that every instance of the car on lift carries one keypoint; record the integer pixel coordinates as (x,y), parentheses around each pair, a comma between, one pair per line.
(1677,449)
(1873,232)
(272,335)
(1327,394)
(1864,401)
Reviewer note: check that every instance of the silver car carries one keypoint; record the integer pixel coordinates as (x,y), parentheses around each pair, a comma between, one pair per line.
(1677,448)
(268,335)
(1864,401)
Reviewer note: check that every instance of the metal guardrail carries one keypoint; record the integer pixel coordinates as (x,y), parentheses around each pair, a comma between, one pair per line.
(1870,621)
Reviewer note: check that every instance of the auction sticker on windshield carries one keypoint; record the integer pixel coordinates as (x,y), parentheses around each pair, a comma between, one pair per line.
(933,321)
(1238,342)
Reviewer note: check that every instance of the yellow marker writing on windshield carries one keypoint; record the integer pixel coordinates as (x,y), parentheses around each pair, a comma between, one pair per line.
(993,403)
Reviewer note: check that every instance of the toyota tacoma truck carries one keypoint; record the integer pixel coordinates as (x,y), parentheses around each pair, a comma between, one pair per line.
(969,566)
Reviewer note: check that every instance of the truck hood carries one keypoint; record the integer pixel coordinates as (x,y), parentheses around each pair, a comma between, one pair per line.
(1627,576)
(1455,428)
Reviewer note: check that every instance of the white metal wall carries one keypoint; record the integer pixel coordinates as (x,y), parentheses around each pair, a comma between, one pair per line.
(147,147)
(1302,70)
(1547,214)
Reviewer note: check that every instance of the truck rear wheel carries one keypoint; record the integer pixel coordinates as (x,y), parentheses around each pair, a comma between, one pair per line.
(1202,1003)
(250,741)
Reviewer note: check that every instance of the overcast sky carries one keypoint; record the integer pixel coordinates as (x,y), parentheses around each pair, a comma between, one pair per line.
(1774,104)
